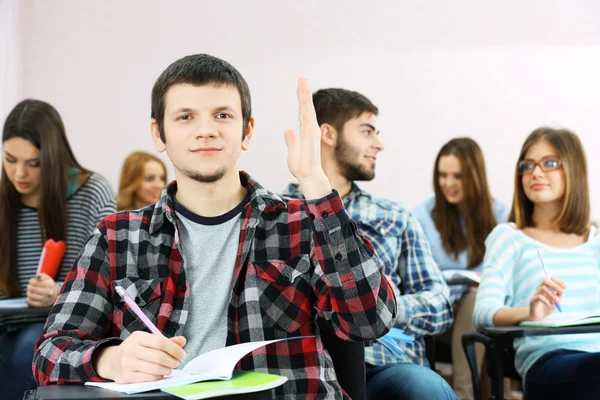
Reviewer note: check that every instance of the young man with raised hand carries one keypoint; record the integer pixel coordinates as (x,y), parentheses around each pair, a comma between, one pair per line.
(350,144)
(219,260)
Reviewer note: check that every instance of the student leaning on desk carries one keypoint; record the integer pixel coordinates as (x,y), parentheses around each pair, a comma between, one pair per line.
(44,194)
(550,231)
(219,260)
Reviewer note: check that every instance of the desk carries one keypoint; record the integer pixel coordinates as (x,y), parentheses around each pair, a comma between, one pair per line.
(28,311)
(81,392)
(25,315)
(498,342)
(459,281)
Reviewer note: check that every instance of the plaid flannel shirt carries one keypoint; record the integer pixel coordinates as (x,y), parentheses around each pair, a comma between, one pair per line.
(423,298)
(295,260)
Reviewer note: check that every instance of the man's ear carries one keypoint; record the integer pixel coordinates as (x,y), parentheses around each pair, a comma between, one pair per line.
(155,131)
(248,137)
(328,135)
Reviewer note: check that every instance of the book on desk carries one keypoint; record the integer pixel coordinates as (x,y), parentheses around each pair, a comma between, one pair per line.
(215,365)
(558,320)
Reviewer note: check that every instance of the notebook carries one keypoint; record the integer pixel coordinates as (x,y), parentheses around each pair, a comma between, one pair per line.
(241,382)
(557,320)
(217,364)
(450,274)
(19,302)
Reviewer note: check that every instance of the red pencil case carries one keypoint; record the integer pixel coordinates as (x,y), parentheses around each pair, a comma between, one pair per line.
(51,258)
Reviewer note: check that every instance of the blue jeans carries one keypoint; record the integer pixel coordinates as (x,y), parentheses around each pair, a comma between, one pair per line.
(564,374)
(16,356)
(406,381)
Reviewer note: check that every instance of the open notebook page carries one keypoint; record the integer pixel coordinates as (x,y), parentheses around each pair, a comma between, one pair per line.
(558,319)
(214,365)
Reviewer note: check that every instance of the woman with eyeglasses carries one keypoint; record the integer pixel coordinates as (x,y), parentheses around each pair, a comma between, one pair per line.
(456,222)
(550,230)
(44,194)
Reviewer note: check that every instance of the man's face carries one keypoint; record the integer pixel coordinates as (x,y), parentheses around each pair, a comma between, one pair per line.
(357,147)
(203,128)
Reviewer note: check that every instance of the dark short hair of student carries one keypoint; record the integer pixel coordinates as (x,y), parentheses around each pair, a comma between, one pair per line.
(336,106)
(198,70)
(574,216)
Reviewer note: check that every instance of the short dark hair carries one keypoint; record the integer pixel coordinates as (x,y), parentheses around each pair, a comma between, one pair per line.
(336,106)
(198,70)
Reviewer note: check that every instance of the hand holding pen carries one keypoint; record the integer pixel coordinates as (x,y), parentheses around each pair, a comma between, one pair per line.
(547,296)
(143,356)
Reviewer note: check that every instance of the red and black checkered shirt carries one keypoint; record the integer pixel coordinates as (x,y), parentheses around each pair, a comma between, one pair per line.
(296,260)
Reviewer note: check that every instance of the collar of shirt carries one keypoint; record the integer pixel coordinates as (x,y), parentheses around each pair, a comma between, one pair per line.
(260,198)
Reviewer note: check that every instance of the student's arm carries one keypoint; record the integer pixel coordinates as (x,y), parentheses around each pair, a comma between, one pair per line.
(424,308)
(542,304)
(76,344)
(352,294)
(79,321)
(496,286)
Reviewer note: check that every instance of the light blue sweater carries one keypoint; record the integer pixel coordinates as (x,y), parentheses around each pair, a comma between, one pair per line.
(512,270)
(441,257)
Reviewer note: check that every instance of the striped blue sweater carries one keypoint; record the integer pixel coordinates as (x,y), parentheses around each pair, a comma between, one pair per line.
(511,272)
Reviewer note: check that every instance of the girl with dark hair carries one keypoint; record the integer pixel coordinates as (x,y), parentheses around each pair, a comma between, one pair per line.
(456,222)
(44,194)
(550,230)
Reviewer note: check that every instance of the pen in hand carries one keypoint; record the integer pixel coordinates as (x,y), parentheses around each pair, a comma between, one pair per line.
(137,311)
(547,276)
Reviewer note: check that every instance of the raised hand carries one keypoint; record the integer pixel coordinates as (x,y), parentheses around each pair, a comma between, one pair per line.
(304,153)
(142,357)
(544,299)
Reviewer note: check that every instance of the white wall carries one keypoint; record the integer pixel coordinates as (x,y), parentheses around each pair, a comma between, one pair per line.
(490,70)
(9,56)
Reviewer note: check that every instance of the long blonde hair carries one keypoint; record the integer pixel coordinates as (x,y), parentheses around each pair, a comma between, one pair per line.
(132,175)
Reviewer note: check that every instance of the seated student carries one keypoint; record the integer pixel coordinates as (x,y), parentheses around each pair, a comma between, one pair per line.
(143,177)
(44,194)
(456,222)
(350,145)
(219,260)
(550,225)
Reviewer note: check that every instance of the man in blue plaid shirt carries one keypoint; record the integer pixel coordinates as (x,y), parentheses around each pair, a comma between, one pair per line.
(349,147)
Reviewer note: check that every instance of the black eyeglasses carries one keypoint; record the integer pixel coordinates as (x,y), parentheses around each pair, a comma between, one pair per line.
(546,164)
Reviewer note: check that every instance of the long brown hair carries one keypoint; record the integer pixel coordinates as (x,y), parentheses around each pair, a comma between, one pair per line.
(574,216)
(39,123)
(132,175)
(479,220)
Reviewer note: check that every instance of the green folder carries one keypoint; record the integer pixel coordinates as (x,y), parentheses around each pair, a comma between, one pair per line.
(242,382)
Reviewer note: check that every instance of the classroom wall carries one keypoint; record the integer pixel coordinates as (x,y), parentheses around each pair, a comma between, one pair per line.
(490,70)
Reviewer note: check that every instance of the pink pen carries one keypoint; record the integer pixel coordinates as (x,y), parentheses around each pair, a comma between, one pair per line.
(134,307)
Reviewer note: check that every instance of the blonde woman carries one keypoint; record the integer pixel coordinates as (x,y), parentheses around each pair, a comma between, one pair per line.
(143,178)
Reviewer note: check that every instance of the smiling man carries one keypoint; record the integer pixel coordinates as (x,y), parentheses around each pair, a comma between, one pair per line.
(219,260)
(350,145)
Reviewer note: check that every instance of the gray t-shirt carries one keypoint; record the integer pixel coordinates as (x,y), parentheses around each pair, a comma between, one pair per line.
(210,246)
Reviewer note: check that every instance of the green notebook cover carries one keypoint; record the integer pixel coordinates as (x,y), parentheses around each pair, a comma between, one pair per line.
(242,382)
